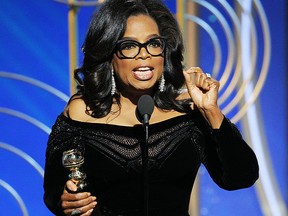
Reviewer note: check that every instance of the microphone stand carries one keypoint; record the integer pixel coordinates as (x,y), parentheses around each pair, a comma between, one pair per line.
(145,167)
(144,111)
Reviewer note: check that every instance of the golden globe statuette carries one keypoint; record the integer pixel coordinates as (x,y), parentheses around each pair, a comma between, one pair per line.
(73,160)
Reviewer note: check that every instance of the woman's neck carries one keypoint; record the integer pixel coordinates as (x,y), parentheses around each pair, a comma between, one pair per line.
(133,97)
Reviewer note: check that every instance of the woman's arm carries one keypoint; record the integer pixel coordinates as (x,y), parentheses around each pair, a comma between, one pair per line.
(59,199)
(229,160)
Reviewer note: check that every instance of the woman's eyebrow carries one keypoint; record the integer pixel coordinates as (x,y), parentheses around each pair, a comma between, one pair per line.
(135,39)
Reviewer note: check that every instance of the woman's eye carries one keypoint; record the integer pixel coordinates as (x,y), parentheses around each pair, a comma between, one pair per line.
(155,43)
(128,46)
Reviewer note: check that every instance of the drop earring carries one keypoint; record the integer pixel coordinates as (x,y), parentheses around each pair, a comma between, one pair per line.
(113,84)
(162,83)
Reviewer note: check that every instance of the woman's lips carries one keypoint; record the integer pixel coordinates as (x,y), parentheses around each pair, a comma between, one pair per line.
(143,73)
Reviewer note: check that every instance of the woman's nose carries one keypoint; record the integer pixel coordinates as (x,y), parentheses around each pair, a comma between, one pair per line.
(144,54)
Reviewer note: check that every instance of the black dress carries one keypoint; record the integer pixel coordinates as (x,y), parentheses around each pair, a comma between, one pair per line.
(176,148)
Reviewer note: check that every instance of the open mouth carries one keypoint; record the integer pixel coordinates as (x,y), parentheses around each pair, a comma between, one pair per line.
(143,73)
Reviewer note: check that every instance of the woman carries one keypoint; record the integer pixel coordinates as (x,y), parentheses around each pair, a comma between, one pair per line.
(132,48)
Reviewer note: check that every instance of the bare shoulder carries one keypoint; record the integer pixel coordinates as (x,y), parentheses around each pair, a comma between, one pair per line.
(76,109)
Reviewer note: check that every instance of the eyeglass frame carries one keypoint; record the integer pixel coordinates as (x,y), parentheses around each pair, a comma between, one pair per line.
(140,46)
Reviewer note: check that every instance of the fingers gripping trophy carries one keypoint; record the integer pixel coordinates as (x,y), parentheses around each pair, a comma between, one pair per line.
(72,160)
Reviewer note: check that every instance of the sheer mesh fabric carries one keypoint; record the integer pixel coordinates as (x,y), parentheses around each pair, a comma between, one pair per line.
(121,144)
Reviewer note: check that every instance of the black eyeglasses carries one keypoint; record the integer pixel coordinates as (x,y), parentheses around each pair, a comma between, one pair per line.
(129,49)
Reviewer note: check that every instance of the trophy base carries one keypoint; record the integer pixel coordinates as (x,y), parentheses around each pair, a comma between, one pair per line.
(80,188)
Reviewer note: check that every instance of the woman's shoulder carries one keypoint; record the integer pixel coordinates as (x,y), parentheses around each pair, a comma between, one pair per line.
(76,109)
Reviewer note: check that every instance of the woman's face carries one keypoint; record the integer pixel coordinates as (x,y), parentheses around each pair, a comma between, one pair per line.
(143,71)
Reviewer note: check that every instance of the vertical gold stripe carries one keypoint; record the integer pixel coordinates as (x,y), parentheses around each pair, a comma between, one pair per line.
(190,36)
(180,13)
(191,40)
(194,198)
(73,44)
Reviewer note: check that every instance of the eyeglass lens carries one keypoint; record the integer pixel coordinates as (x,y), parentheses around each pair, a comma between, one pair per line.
(130,48)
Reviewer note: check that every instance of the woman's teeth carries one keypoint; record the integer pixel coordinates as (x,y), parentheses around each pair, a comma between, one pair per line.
(143,73)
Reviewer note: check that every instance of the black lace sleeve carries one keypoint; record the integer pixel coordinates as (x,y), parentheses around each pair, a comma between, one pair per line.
(62,138)
(229,160)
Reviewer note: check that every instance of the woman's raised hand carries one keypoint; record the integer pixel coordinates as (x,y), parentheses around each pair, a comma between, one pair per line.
(203,90)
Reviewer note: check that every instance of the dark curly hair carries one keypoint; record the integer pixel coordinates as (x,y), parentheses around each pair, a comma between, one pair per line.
(106,28)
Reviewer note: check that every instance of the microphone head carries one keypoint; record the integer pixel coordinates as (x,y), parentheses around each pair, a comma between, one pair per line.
(144,109)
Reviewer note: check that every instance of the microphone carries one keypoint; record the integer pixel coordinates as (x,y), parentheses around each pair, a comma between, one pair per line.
(144,109)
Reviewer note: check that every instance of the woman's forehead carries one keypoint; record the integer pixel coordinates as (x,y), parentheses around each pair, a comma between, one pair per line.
(141,26)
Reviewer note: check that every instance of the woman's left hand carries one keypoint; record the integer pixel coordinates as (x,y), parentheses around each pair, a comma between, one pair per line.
(203,91)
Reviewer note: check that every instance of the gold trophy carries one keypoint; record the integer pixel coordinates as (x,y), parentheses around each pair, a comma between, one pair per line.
(72,160)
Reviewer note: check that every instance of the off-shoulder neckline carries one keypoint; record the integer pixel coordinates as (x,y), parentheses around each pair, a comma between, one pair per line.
(172,120)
